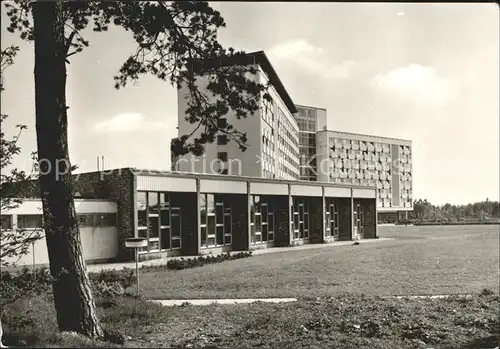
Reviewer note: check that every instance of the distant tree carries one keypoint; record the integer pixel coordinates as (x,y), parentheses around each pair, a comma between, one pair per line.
(176,42)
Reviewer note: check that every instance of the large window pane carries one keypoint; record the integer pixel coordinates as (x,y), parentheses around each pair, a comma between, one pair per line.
(6,221)
(211,241)
(141,209)
(257,222)
(153,202)
(203,235)
(176,243)
(165,217)
(210,203)
(220,235)
(203,209)
(211,224)
(219,211)
(264,232)
(176,224)
(228,224)
(153,227)
(143,233)
(165,238)
(29,221)
(264,213)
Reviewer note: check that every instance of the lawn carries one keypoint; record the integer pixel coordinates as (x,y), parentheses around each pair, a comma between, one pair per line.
(419,260)
(343,321)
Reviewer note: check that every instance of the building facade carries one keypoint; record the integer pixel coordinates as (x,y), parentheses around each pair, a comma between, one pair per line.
(292,142)
(272,132)
(358,159)
(310,120)
(97,221)
(181,214)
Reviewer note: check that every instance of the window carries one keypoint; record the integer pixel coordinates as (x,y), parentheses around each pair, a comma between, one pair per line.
(6,222)
(222,156)
(29,221)
(222,139)
(158,222)
(141,209)
(216,223)
(222,123)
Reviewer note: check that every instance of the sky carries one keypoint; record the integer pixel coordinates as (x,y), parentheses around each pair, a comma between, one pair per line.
(421,71)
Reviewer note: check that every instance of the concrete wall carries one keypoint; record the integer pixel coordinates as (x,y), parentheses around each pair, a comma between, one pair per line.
(316,224)
(282,220)
(345,219)
(115,185)
(250,125)
(370,218)
(98,243)
(239,210)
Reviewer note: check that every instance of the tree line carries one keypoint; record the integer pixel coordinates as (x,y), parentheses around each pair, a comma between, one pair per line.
(424,210)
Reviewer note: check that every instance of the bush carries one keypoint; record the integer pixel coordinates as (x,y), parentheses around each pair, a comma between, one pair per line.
(23,284)
(29,321)
(124,277)
(179,264)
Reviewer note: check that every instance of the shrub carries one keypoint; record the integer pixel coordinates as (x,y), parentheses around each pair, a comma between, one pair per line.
(179,264)
(124,277)
(29,321)
(23,284)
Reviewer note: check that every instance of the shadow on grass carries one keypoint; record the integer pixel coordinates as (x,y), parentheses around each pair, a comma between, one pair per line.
(489,342)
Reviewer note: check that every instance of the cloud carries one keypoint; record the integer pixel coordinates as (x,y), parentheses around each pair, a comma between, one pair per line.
(128,122)
(313,59)
(416,83)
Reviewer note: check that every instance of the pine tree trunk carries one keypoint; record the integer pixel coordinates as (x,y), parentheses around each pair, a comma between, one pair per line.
(74,304)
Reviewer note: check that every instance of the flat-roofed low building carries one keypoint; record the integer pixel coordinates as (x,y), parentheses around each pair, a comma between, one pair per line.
(188,214)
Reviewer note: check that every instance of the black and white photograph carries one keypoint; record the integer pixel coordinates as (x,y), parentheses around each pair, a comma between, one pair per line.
(243,174)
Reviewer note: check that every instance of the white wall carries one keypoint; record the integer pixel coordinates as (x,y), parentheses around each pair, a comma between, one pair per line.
(98,243)
(250,125)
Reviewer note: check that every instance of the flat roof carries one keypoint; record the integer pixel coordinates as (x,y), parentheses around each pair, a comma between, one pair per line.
(368,136)
(260,58)
(308,106)
(147,172)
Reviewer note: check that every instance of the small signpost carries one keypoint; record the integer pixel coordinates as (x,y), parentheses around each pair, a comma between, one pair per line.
(136,243)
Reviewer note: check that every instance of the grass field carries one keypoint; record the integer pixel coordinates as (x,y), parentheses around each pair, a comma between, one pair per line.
(419,260)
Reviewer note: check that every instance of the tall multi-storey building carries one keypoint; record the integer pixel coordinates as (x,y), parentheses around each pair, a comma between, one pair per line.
(310,120)
(355,159)
(288,141)
(360,159)
(272,132)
